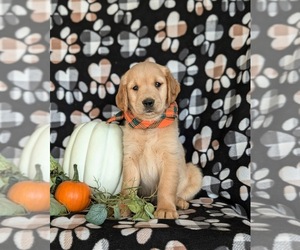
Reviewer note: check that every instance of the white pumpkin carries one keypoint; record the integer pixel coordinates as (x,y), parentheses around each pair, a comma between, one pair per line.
(37,151)
(96,147)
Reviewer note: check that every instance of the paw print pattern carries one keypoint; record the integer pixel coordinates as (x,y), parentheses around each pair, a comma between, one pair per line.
(240,33)
(284,35)
(121,10)
(28,86)
(200,223)
(243,174)
(58,11)
(9,15)
(90,112)
(58,119)
(185,69)
(39,10)
(142,229)
(232,6)
(157,4)
(224,108)
(207,35)
(218,184)
(192,109)
(169,31)
(291,68)
(260,182)
(96,40)
(261,75)
(237,143)
(134,43)
(290,175)
(103,82)
(262,110)
(67,81)
(81,9)
(243,63)
(25,47)
(199,6)
(204,146)
(218,77)
(273,8)
(290,133)
(64,49)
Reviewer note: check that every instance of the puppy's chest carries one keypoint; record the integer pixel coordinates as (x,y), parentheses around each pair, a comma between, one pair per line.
(148,150)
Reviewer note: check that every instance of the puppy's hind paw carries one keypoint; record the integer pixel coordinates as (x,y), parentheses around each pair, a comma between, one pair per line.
(166,214)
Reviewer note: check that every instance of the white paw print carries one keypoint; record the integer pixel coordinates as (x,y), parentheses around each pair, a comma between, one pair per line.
(199,6)
(90,112)
(208,34)
(261,75)
(28,85)
(185,68)
(218,75)
(97,41)
(224,108)
(120,9)
(134,42)
(67,90)
(157,4)
(215,186)
(65,48)
(169,31)
(25,47)
(9,13)
(204,146)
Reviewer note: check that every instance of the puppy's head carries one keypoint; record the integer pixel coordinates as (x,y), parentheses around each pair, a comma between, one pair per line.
(147,89)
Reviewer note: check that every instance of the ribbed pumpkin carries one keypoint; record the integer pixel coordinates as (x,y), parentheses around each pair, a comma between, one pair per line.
(33,195)
(73,194)
(96,147)
(37,151)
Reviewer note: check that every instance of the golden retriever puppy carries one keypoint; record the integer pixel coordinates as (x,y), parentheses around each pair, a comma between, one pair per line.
(154,158)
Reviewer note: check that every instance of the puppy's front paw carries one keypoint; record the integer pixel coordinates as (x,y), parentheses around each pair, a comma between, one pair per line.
(182,204)
(166,214)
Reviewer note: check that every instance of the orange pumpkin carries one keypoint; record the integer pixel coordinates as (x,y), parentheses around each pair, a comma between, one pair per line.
(73,194)
(34,196)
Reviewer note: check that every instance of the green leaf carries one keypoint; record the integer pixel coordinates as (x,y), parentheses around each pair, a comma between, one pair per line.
(10,208)
(56,208)
(117,214)
(7,165)
(149,209)
(135,206)
(54,165)
(141,216)
(97,214)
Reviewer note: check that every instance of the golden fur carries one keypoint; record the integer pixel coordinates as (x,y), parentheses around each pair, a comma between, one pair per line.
(154,158)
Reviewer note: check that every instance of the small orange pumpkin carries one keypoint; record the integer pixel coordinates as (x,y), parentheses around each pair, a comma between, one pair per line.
(33,195)
(73,194)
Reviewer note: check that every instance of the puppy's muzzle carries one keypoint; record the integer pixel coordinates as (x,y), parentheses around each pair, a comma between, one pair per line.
(148,103)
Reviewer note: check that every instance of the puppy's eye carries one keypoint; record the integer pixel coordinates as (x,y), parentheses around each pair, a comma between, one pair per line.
(157,84)
(135,88)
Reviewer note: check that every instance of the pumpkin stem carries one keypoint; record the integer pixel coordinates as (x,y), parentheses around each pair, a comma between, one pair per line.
(39,174)
(76,175)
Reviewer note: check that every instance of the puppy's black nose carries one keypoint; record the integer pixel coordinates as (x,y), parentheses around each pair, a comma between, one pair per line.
(148,103)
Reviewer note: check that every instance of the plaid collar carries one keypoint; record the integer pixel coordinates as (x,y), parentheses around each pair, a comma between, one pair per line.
(166,119)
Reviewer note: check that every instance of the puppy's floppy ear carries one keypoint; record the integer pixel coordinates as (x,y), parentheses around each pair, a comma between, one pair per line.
(122,97)
(173,86)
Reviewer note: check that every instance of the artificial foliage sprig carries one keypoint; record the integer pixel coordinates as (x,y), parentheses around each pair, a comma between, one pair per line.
(106,205)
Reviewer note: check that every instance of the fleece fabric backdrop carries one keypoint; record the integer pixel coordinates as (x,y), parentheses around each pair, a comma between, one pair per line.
(206,45)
